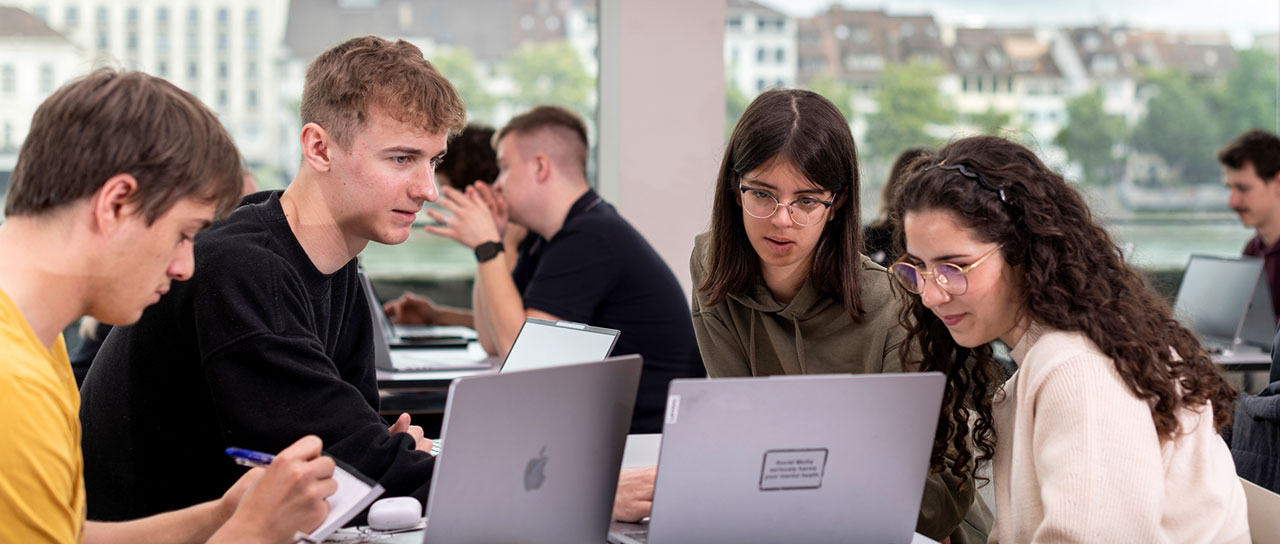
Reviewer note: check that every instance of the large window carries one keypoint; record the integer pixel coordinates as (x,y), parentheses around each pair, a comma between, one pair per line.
(504,56)
(1132,112)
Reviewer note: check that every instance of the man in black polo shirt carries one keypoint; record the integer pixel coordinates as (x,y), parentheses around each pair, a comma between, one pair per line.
(580,262)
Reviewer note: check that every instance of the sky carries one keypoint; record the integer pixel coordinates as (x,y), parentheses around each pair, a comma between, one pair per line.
(1241,18)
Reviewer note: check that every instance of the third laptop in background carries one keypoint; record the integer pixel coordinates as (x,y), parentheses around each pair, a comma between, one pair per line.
(1226,302)
(797,459)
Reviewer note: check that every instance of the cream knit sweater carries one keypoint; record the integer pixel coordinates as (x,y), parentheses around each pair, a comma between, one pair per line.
(1078,458)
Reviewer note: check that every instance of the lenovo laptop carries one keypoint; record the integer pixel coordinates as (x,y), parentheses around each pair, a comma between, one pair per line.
(1226,302)
(533,455)
(796,459)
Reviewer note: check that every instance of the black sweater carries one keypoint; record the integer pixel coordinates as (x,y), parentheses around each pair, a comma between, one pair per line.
(258,349)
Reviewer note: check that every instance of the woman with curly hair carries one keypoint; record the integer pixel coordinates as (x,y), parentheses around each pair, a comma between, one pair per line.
(1107,431)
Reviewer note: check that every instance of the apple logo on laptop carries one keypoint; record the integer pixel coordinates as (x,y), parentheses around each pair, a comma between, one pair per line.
(533,475)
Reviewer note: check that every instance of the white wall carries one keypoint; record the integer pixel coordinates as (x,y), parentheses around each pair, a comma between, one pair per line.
(662,118)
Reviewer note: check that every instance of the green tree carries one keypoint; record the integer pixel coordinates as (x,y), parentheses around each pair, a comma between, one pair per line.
(550,73)
(992,122)
(1090,137)
(1248,97)
(1179,127)
(735,103)
(909,101)
(838,93)
(459,67)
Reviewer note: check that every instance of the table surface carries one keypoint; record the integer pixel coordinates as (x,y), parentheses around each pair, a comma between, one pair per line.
(353,535)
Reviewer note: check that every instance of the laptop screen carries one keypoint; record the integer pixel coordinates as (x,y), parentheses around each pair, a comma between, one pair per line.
(1216,293)
(542,343)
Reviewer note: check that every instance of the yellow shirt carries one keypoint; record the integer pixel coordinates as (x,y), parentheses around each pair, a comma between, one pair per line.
(41,469)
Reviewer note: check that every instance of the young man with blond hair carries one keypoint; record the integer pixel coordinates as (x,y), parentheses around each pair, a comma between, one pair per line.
(272,339)
(117,174)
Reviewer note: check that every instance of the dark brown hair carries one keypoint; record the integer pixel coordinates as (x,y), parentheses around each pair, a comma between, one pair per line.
(470,158)
(896,172)
(554,118)
(1075,278)
(806,130)
(111,122)
(1257,147)
(348,82)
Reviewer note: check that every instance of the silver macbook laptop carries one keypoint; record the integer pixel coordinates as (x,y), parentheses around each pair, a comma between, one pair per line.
(533,455)
(1226,302)
(797,459)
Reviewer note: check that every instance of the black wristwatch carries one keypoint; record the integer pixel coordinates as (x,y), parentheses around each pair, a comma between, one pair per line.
(488,250)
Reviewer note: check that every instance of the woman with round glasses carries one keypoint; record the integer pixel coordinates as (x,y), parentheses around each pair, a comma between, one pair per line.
(1108,430)
(780,285)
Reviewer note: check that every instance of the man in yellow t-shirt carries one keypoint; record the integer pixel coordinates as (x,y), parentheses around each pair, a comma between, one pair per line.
(117,174)
(39,408)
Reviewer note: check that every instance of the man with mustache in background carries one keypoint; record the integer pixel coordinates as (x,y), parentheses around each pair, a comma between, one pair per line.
(1250,169)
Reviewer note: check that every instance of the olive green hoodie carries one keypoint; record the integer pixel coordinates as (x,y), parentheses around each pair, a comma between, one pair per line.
(753,334)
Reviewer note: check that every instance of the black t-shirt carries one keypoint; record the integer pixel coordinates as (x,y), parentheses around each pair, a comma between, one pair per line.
(598,270)
(257,350)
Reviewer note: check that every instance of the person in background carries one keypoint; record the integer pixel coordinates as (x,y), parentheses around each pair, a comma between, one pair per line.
(271,340)
(1108,430)
(581,262)
(471,158)
(877,238)
(104,230)
(780,284)
(1251,171)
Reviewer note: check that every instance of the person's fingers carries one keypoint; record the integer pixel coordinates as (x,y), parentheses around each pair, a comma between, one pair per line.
(440,231)
(416,433)
(392,309)
(306,448)
(437,216)
(401,424)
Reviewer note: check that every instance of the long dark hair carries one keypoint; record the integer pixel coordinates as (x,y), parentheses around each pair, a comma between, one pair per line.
(807,131)
(1076,279)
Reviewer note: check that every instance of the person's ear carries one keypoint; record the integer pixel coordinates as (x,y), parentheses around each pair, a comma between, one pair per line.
(1273,183)
(317,145)
(841,197)
(114,203)
(542,167)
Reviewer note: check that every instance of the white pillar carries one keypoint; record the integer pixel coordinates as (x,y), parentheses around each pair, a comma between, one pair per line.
(662,118)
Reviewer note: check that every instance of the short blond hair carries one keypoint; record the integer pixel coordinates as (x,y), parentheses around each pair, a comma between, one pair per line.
(348,82)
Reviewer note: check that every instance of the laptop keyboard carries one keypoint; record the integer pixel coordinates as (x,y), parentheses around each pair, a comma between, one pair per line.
(436,443)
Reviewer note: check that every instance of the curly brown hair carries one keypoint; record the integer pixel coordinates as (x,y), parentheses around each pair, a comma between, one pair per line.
(1080,282)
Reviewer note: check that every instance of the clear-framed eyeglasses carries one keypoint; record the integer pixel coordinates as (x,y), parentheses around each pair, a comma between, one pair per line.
(950,277)
(805,211)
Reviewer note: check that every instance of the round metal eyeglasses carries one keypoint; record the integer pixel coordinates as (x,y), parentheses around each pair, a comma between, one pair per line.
(804,211)
(949,277)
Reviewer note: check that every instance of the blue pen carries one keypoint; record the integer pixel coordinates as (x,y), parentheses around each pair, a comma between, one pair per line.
(250,458)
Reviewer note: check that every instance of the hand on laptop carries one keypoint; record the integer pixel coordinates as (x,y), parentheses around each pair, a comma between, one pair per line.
(411,309)
(271,504)
(634,499)
(421,442)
